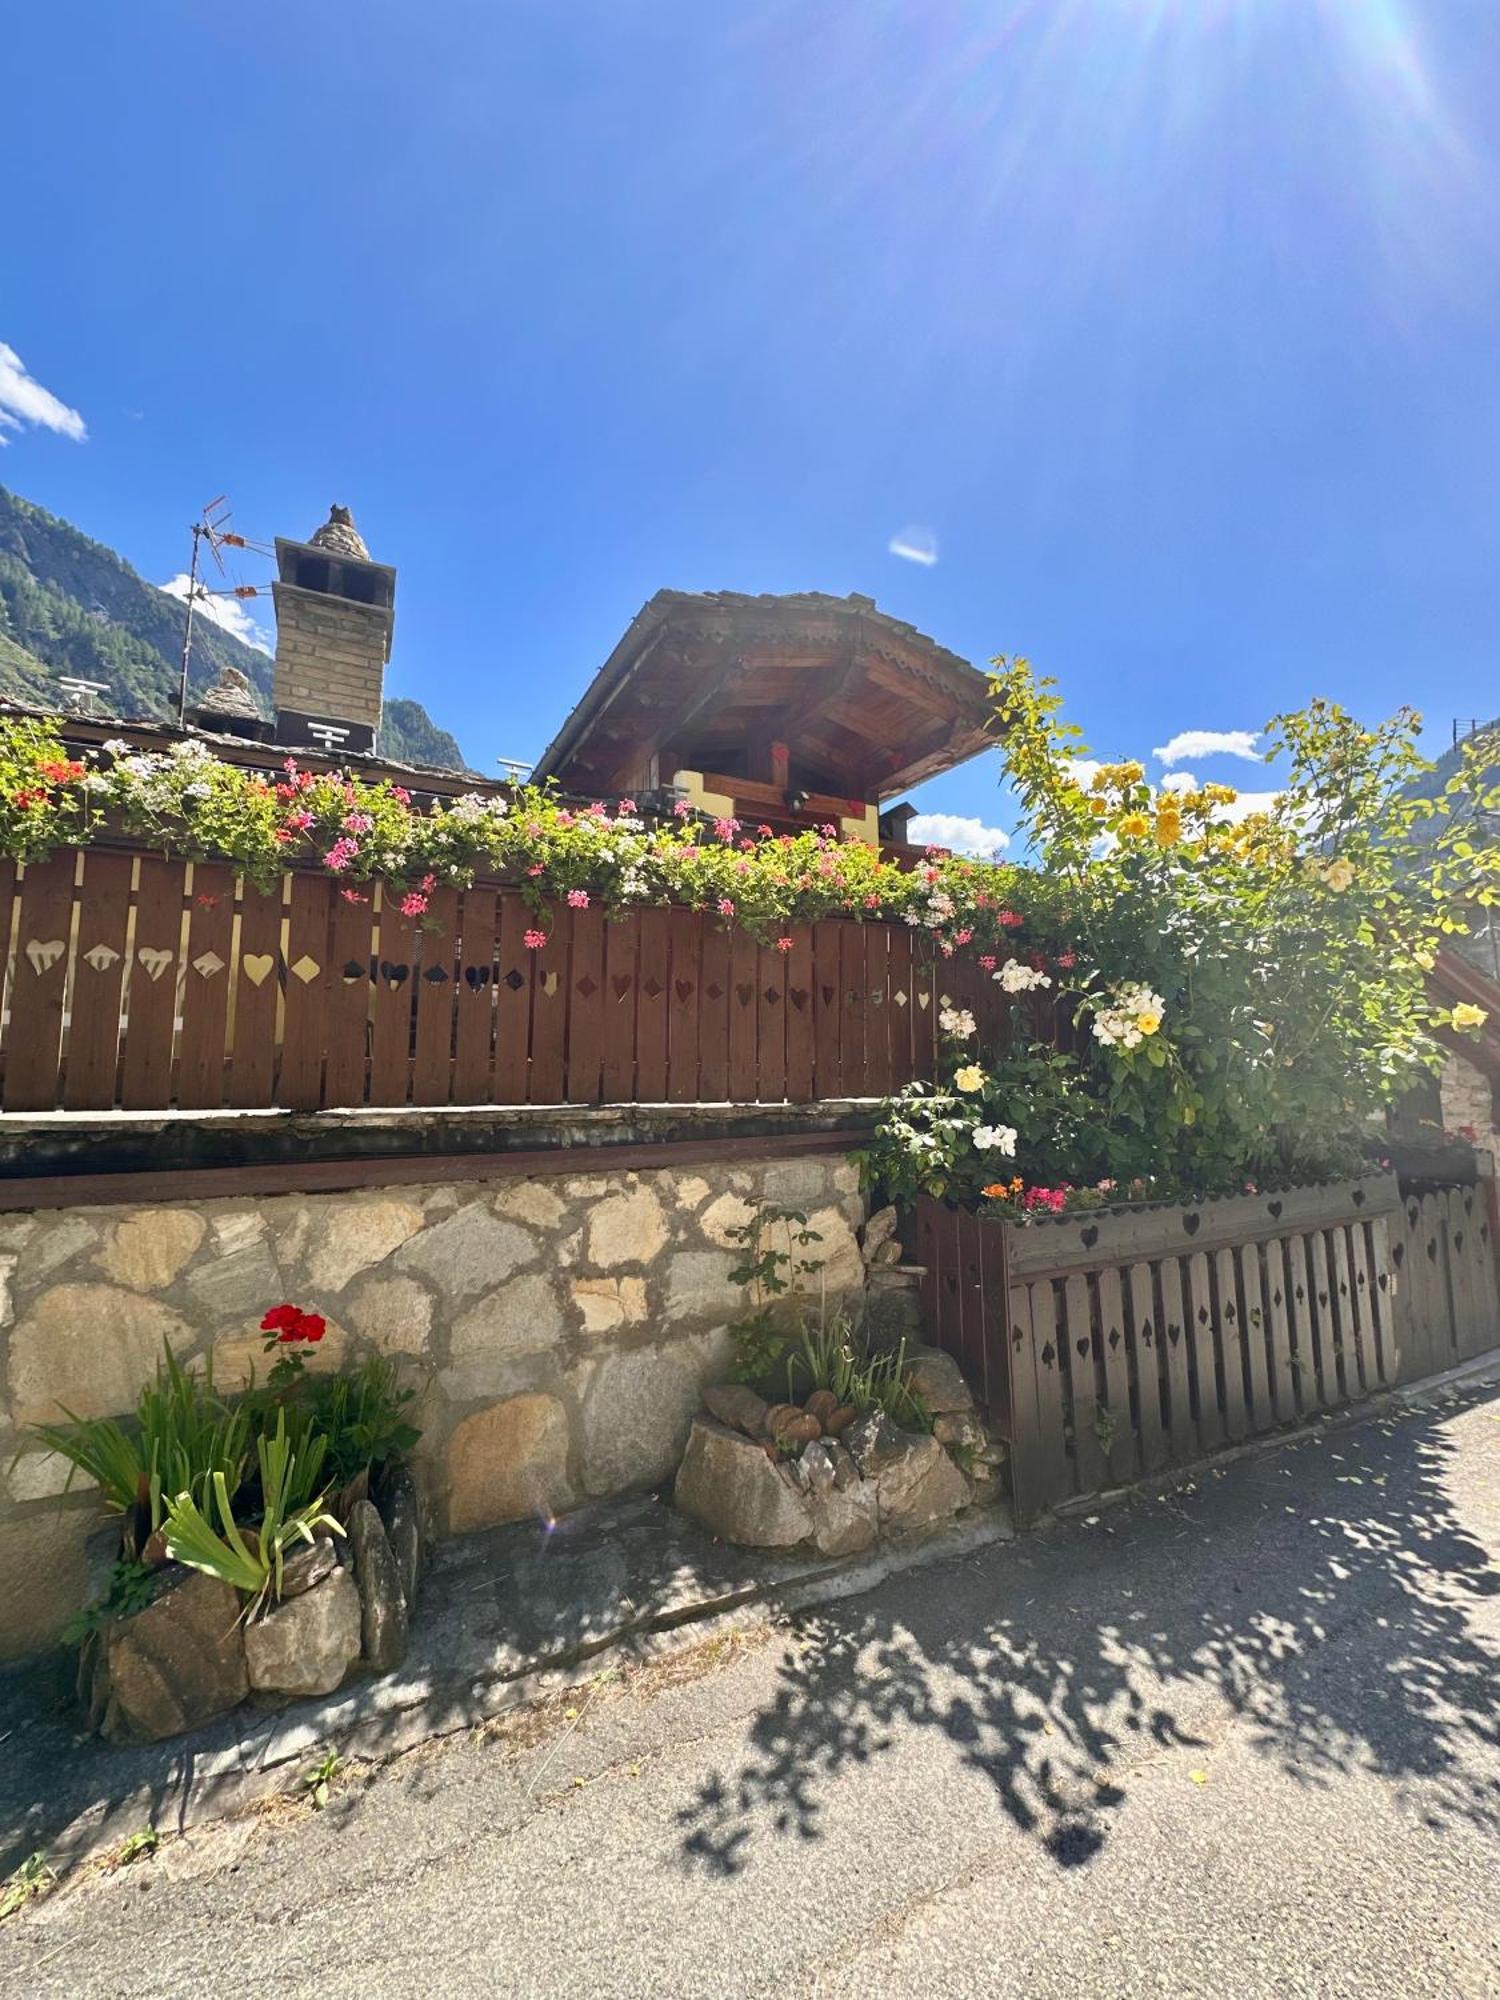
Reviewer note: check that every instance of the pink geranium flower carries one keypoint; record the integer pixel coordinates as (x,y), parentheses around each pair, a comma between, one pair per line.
(783,944)
(578,899)
(534,940)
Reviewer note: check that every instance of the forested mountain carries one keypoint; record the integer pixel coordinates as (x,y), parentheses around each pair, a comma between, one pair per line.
(69,605)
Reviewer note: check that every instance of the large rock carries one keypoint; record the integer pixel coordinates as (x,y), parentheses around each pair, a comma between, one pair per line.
(507,1462)
(350,1236)
(727,1482)
(607,1303)
(307,1644)
(383,1622)
(636,1412)
(725,1216)
(521,1316)
(405,1521)
(45,1574)
(627,1228)
(148,1249)
(739,1407)
(244,1283)
(394,1313)
(841,1264)
(699,1287)
(893,1302)
(846,1512)
(530,1202)
(880,1229)
(919,1484)
(938,1380)
(471,1252)
(90,1348)
(173,1666)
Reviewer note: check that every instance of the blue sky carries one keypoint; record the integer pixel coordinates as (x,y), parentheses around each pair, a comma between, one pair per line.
(1174,324)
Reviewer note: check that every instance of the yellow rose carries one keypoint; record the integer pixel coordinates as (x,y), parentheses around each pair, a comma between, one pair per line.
(1134,826)
(969,1078)
(1338,875)
(1467,1015)
(1148,1023)
(1168,829)
(1098,808)
(1100,781)
(1426,959)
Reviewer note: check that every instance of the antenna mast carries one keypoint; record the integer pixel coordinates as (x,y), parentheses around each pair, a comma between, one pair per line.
(209,529)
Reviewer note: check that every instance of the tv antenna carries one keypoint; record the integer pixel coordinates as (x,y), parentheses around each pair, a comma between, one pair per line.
(515,768)
(211,528)
(80,693)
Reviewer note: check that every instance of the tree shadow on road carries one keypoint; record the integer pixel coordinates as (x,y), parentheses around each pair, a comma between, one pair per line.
(1322,1592)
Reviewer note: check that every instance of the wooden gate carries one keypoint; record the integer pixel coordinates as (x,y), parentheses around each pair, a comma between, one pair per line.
(1447,1297)
(1113,1346)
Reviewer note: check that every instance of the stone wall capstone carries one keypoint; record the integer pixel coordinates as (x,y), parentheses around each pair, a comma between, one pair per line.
(558,1330)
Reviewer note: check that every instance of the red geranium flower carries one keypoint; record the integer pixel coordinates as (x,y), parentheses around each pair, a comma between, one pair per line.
(290,1323)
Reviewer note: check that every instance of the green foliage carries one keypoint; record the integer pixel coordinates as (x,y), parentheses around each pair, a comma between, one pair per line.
(1246,991)
(362,1418)
(32,1879)
(132,1585)
(834,1356)
(252,1562)
(772,1269)
(144,1841)
(182,1435)
(319,1781)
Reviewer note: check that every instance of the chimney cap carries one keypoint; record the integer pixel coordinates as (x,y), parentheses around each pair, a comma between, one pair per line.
(230,694)
(340,537)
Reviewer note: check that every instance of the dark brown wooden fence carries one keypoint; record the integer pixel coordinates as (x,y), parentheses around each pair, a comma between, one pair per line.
(146,983)
(1110,1347)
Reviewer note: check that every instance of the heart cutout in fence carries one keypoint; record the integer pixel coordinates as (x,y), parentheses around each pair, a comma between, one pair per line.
(1273,1209)
(43,953)
(548,983)
(828,993)
(1190,1224)
(257,966)
(156,959)
(476,977)
(683,989)
(744,994)
(1358,1197)
(1082,1346)
(394,975)
(798,997)
(1089,1236)
(621,982)
(353,970)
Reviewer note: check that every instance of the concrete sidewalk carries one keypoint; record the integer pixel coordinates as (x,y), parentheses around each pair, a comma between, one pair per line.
(1242,1740)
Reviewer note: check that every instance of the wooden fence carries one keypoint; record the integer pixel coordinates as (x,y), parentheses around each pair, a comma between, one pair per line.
(1110,1347)
(146,983)
(1447,1278)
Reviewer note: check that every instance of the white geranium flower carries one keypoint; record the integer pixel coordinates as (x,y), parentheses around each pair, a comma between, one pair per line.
(956,1021)
(995,1139)
(1014,977)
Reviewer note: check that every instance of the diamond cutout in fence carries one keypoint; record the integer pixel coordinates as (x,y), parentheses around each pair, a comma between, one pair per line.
(587,987)
(899,998)
(714,992)
(772,996)
(653,989)
(306,969)
(515,980)
(101,957)
(207,964)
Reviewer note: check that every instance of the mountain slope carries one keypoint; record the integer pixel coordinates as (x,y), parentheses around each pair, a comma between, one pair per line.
(68,605)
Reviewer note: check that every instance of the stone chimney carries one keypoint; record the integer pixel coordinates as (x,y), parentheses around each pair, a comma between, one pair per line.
(335,610)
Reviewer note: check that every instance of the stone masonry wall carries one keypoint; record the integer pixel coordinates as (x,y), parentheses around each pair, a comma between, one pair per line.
(559,1330)
(1468,1100)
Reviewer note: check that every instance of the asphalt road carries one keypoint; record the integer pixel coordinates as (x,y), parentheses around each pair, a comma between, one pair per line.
(1241,1741)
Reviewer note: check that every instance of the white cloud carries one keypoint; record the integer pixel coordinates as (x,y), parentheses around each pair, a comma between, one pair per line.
(1083,770)
(1245,804)
(1210,743)
(24,401)
(964,836)
(226,611)
(1179,781)
(915,544)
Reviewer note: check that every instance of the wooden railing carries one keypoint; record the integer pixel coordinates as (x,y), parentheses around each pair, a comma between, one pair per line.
(139,982)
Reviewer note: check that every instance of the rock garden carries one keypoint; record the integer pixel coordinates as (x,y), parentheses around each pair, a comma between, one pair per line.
(269,1546)
(838,1432)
